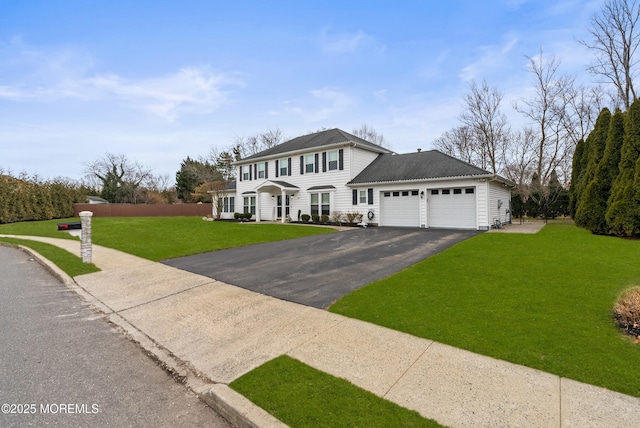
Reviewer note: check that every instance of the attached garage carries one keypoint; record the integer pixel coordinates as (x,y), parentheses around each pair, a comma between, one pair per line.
(400,208)
(453,208)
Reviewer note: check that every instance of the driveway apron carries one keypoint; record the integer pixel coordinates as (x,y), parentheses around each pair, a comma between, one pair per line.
(318,270)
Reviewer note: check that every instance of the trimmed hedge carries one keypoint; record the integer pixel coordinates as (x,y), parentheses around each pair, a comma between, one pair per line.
(33,199)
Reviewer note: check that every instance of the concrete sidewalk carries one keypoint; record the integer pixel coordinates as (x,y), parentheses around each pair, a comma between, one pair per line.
(211,333)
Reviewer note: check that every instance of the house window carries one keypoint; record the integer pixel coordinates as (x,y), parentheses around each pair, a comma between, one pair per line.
(396,193)
(414,193)
(469,190)
(332,157)
(457,191)
(320,203)
(245,172)
(228,204)
(309,162)
(284,165)
(387,194)
(434,191)
(446,191)
(261,169)
(250,204)
(405,193)
(363,196)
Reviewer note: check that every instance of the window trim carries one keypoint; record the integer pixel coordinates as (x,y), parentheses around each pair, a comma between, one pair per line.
(249,204)
(333,165)
(284,166)
(309,166)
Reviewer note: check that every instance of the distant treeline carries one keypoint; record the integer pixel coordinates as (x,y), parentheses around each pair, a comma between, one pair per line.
(31,199)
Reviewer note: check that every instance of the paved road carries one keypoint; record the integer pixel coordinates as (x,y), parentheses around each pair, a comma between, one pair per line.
(318,270)
(66,366)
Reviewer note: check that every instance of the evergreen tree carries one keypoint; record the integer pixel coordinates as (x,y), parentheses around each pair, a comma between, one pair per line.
(192,174)
(596,142)
(593,206)
(576,170)
(623,216)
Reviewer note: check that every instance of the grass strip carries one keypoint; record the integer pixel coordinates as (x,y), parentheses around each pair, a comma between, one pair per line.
(543,301)
(71,264)
(302,396)
(160,238)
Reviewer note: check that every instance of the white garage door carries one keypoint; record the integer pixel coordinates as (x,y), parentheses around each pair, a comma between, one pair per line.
(400,208)
(453,208)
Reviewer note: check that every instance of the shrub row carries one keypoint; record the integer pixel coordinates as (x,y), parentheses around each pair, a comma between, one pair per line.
(32,199)
(337,217)
(242,216)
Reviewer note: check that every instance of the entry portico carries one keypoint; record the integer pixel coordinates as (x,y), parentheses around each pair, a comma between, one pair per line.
(280,190)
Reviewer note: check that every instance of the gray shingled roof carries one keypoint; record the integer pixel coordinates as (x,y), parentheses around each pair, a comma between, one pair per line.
(318,139)
(416,166)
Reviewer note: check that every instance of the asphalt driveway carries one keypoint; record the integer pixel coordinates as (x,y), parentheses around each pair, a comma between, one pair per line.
(318,270)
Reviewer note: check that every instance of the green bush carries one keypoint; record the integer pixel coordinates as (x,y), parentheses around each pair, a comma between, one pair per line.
(32,199)
(247,216)
(305,217)
(315,218)
(324,218)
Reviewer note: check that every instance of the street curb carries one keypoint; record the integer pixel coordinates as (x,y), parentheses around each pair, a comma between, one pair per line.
(235,408)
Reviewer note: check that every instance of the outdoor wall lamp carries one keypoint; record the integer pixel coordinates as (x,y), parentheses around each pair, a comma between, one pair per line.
(422,194)
(273,196)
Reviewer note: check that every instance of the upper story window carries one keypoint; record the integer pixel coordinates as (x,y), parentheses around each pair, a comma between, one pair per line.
(261,170)
(284,166)
(245,172)
(332,157)
(309,163)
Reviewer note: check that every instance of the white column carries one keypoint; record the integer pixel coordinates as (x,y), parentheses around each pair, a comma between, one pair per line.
(85,236)
(284,206)
(257,207)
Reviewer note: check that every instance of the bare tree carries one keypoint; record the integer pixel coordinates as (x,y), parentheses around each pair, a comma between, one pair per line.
(247,146)
(119,178)
(367,132)
(519,160)
(460,143)
(487,123)
(614,40)
(547,111)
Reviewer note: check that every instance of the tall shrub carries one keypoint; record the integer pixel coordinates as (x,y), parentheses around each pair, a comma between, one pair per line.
(596,142)
(593,207)
(623,213)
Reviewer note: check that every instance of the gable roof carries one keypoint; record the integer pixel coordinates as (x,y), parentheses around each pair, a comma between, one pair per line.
(416,166)
(328,138)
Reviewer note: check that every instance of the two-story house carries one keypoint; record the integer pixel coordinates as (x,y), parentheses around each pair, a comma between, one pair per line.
(332,170)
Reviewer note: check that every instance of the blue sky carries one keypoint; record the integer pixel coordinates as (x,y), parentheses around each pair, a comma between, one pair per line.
(162,80)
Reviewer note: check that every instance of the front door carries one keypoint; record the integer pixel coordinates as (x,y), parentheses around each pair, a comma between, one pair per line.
(286,208)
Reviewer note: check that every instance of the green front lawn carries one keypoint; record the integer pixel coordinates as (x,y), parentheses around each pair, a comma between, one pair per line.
(302,396)
(159,238)
(71,264)
(543,301)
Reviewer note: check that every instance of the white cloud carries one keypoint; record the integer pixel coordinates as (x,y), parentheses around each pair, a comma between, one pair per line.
(342,43)
(490,58)
(40,75)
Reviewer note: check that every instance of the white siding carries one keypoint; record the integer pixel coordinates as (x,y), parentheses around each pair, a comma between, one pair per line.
(354,161)
(498,192)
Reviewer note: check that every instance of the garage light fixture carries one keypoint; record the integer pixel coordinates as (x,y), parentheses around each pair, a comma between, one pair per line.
(422,194)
